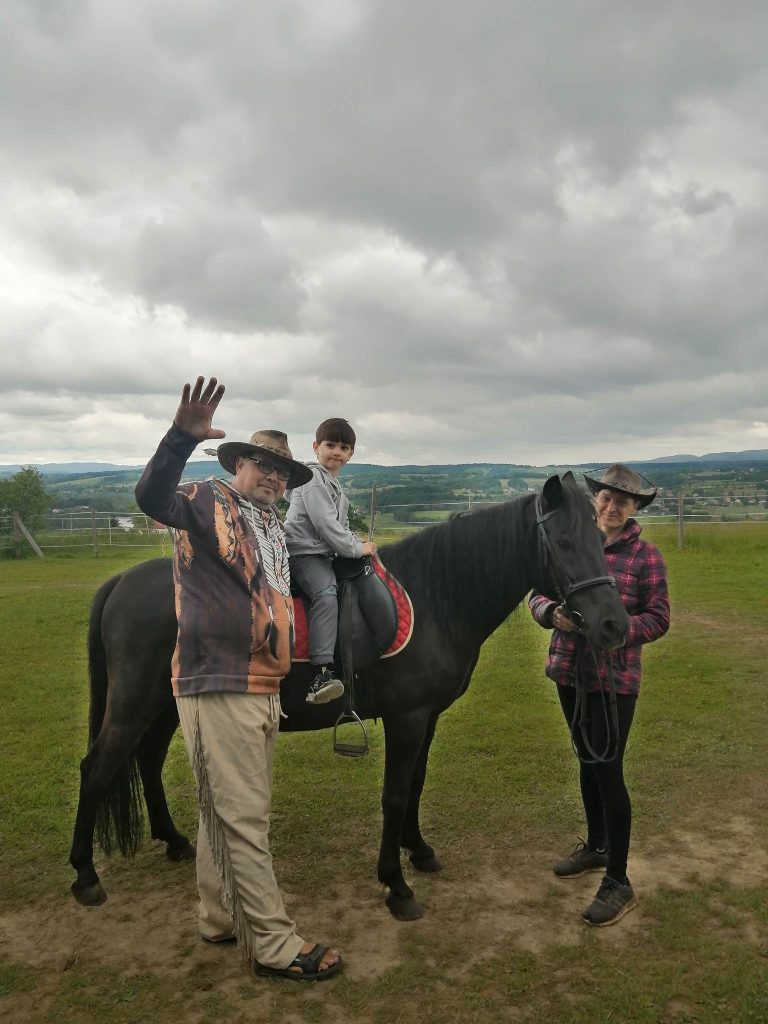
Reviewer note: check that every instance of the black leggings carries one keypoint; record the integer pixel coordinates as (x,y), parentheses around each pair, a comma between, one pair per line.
(603,791)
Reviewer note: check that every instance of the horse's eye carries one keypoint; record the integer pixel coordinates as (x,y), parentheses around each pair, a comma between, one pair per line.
(564,544)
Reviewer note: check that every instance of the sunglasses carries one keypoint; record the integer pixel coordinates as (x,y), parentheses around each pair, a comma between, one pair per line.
(268,468)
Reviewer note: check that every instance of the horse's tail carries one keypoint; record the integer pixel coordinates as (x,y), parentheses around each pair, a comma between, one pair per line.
(119,817)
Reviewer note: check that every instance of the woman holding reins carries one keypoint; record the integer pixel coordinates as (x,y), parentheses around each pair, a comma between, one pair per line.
(641,579)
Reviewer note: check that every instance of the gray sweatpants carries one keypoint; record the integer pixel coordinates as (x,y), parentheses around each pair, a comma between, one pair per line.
(315,576)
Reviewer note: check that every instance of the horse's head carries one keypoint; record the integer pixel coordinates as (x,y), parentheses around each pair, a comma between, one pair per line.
(571,566)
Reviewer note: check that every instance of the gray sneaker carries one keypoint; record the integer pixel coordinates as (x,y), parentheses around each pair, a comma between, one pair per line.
(612,901)
(324,687)
(580,861)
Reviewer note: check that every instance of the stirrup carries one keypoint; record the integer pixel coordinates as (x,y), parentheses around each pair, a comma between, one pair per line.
(350,749)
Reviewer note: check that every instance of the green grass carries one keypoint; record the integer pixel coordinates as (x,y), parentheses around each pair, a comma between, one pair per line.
(501,798)
(44,608)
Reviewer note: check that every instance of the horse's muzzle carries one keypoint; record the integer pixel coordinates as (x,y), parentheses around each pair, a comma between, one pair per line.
(610,633)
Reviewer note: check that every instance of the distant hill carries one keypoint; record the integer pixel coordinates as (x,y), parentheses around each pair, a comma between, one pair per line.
(65,468)
(110,488)
(82,468)
(754,455)
(673,458)
(74,469)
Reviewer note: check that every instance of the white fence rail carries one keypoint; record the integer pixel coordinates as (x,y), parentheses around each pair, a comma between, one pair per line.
(86,528)
(683,509)
(712,508)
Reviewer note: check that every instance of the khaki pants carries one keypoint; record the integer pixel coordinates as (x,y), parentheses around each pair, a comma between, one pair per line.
(230,738)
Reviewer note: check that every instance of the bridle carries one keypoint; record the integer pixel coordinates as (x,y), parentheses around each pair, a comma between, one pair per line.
(565,587)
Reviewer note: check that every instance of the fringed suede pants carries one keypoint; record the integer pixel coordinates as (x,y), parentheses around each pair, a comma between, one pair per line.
(230,738)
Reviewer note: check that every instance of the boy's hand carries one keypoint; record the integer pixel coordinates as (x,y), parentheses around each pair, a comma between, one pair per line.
(198,405)
(369,548)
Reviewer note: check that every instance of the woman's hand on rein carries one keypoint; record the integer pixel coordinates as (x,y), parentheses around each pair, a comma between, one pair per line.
(561,621)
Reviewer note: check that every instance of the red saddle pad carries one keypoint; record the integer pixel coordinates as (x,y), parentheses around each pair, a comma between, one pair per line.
(404,617)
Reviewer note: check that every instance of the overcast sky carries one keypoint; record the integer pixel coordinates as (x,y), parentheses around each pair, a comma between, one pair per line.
(527,232)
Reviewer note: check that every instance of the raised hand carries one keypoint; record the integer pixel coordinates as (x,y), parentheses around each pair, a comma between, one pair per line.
(198,404)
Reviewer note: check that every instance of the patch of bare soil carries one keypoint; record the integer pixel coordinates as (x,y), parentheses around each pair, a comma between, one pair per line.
(151,928)
(749,632)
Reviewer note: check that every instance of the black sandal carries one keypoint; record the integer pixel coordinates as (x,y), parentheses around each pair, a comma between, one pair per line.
(308,964)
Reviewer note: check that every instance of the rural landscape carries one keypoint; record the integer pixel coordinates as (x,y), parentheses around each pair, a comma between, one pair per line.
(472,247)
(502,939)
(66,508)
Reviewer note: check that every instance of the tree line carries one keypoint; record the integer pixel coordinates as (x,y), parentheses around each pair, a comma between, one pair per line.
(25,496)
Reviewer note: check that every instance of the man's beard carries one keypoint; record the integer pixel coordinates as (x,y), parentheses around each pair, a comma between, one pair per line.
(265,506)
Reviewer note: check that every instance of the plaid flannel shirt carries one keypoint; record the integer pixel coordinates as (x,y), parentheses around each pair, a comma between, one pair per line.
(641,579)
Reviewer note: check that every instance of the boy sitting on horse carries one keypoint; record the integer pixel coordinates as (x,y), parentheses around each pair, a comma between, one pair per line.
(316,530)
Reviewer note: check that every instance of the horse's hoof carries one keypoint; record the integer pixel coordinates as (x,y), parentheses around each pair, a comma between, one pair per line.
(89,895)
(428,864)
(405,909)
(177,853)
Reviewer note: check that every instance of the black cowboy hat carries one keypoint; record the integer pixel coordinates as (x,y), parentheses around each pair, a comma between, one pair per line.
(626,481)
(273,445)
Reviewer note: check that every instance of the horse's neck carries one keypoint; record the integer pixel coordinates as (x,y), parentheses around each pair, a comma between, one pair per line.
(475,577)
(491,613)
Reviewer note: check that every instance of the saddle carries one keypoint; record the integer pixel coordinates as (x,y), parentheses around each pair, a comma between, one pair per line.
(368,614)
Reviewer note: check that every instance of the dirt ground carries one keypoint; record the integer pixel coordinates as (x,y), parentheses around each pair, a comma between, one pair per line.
(153,929)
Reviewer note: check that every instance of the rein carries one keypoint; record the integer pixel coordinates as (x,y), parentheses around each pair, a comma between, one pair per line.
(565,587)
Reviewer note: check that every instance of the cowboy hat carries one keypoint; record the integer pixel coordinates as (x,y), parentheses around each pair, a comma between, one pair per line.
(626,481)
(273,445)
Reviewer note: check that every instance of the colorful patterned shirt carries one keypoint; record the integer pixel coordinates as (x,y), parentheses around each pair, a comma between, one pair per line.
(641,579)
(230,570)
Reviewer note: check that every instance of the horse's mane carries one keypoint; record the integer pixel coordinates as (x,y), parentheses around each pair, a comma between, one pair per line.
(466,567)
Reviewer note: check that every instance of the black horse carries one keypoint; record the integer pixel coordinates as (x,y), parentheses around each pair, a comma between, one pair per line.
(464,578)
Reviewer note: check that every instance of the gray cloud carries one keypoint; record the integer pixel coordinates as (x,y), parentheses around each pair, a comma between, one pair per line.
(503,230)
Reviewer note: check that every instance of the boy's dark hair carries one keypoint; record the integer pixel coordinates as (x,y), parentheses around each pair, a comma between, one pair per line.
(336,429)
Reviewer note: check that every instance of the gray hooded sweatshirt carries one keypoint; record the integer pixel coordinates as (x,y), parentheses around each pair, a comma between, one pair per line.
(318,518)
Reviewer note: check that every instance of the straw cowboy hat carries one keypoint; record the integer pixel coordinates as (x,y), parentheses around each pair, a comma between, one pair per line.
(626,481)
(273,445)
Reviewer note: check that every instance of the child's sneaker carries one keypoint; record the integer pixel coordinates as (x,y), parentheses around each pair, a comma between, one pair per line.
(325,687)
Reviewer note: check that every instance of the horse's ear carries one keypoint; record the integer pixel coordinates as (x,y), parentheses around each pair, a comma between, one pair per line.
(553,493)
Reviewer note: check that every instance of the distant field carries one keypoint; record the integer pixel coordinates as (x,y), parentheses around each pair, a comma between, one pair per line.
(502,940)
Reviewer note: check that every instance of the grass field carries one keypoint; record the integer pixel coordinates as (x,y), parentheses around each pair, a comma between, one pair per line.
(502,940)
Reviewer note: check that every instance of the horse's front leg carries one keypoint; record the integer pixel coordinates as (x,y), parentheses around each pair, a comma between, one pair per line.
(422,856)
(404,736)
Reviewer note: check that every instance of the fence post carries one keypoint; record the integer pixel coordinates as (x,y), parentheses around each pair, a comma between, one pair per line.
(680,522)
(19,527)
(372,520)
(94,534)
